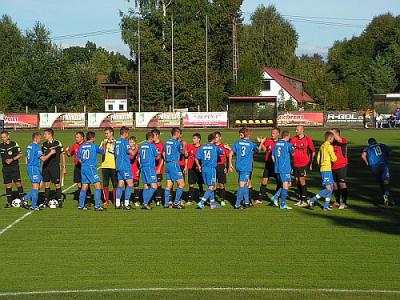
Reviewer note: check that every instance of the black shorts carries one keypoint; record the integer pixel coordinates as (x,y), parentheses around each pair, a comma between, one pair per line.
(77,174)
(299,172)
(109,174)
(159,178)
(339,175)
(195,177)
(221,175)
(11,175)
(269,170)
(51,174)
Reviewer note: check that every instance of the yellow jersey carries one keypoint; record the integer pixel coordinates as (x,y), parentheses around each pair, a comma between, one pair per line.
(108,157)
(326,156)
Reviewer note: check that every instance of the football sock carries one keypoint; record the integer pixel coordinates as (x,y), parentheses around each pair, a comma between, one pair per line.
(222,194)
(246,195)
(284,195)
(97,198)
(158,193)
(212,196)
(278,193)
(106,193)
(166,197)
(327,202)
(114,195)
(47,195)
(89,196)
(178,195)
(136,195)
(263,191)
(118,197)
(21,192)
(82,198)
(201,189)
(344,195)
(128,192)
(337,195)
(304,193)
(250,193)
(58,194)
(35,197)
(239,196)
(9,195)
(28,196)
(191,193)
(386,189)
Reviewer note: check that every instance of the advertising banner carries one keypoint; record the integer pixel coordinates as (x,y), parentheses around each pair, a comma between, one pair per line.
(62,120)
(102,120)
(20,121)
(301,118)
(344,118)
(158,119)
(205,119)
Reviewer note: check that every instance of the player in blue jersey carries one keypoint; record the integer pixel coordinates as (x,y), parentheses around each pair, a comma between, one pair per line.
(244,150)
(148,154)
(34,157)
(172,153)
(281,155)
(123,152)
(376,156)
(208,154)
(87,156)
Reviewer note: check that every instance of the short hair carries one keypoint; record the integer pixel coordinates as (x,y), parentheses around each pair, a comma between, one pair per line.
(245,131)
(156,131)
(211,137)
(123,130)
(35,135)
(285,134)
(49,130)
(90,135)
(132,138)
(372,141)
(337,130)
(5,132)
(110,129)
(328,135)
(175,130)
(218,133)
(197,135)
(276,128)
(149,135)
(80,133)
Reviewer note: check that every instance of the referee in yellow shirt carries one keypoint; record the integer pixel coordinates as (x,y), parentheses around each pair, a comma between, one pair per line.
(108,165)
(326,156)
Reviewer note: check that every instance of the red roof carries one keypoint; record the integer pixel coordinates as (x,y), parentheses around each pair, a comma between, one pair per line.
(279,76)
(253,98)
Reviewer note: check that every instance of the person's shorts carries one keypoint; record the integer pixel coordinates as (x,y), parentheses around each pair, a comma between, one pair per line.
(125,174)
(299,172)
(221,175)
(244,176)
(77,174)
(11,175)
(51,174)
(194,177)
(109,174)
(148,175)
(269,170)
(339,175)
(209,176)
(90,175)
(34,174)
(381,172)
(327,178)
(174,172)
(285,177)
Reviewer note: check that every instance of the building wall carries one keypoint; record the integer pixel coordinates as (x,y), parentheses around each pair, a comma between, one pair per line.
(275,91)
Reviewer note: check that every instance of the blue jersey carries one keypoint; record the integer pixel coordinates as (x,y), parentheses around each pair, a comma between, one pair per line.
(209,154)
(148,154)
(378,154)
(282,153)
(33,154)
(173,149)
(244,150)
(122,155)
(88,154)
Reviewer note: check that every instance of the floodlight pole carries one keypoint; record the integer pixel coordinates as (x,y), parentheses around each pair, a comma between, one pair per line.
(172,64)
(207,64)
(139,65)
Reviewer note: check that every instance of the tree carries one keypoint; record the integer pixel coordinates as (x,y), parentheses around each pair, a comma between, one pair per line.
(381,77)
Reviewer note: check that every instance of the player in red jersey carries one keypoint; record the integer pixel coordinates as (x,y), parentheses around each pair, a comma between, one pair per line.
(304,153)
(194,174)
(160,165)
(135,171)
(339,169)
(267,145)
(222,166)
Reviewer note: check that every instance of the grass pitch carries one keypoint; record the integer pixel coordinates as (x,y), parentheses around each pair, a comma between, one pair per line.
(257,253)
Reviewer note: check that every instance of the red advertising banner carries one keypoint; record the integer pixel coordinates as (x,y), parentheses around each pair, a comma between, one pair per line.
(20,121)
(301,118)
(205,119)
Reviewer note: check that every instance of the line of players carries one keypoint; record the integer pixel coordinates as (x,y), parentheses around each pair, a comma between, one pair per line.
(124,162)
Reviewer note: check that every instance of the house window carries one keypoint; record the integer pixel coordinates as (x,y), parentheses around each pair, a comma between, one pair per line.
(110,107)
(267,85)
(121,107)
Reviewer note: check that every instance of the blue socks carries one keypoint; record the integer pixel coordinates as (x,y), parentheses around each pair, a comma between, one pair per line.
(239,196)
(166,197)
(82,198)
(284,195)
(35,197)
(246,195)
(178,195)
(147,195)
(128,192)
(118,196)
(97,198)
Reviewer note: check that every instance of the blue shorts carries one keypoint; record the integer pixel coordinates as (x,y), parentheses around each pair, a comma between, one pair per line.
(209,176)
(381,172)
(174,172)
(125,174)
(149,175)
(90,175)
(327,178)
(34,174)
(244,176)
(285,177)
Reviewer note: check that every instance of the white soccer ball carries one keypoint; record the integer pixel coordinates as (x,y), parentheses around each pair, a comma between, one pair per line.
(53,203)
(16,203)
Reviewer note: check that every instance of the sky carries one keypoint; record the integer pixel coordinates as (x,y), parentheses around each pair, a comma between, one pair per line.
(318,22)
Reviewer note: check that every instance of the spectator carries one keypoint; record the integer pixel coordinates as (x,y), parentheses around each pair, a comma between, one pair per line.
(392,121)
(378,121)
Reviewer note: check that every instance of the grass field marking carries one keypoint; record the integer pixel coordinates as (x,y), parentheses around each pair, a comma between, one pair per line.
(15,222)
(202,289)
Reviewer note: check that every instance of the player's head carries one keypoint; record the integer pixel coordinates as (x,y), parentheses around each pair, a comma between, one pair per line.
(91,136)
(244,133)
(285,135)
(109,132)
(48,134)
(132,140)
(329,136)
(299,129)
(218,137)
(156,134)
(372,141)
(36,137)
(211,138)
(5,136)
(124,132)
(79,136)
(336,131)
(150,136)
(196,138)
(176,133)
(275,132)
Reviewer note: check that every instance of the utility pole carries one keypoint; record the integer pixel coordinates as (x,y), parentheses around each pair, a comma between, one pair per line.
(235,50)
(207,64)
(172,63)
(139,65)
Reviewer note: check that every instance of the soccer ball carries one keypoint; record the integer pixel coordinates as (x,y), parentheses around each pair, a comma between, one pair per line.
(16,203)
(53,203)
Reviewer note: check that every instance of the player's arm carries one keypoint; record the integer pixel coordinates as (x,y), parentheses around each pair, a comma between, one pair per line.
(47,156)
(364,157)
(197,159)
(69,151)
(312,148)
(261,147)
(19,155)
(231,169)
(332,154)
(100,150)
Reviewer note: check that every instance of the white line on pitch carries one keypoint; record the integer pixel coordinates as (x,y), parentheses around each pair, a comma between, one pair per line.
(196,289)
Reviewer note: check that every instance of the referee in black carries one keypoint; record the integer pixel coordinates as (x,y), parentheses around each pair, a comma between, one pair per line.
(51,167)
(10,154)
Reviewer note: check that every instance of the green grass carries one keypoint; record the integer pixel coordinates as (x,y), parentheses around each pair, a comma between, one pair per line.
(262,247)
